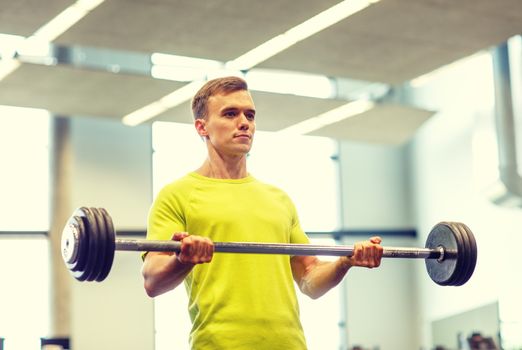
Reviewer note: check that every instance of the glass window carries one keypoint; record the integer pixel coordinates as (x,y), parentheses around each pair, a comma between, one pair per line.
(24,305)
(24,160)
(24,206)
(302,166)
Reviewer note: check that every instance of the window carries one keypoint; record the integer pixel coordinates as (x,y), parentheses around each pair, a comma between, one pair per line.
(305,168)
(25,284)
(24,160)
(24,204)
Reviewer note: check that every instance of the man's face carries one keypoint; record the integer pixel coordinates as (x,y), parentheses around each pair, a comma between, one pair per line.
(230,123)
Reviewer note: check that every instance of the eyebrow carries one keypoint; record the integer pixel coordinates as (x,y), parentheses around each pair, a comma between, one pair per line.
(227,109)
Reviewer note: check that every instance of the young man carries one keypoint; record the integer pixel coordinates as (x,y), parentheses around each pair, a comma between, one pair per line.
(236,301)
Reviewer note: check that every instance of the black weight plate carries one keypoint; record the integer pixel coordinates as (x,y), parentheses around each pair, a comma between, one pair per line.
(441,272)
(92,252)
(101,245)
(80,241)
(471,256)
(474,252)
(459,257)
(463,256)
(111,245)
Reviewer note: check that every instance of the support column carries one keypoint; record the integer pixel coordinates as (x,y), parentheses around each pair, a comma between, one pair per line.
(60,210)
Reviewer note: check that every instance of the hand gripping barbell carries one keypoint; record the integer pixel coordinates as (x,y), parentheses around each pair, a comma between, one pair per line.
(89,242)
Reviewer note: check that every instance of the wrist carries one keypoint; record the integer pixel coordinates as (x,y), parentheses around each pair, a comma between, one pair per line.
(344,264)
(179,264)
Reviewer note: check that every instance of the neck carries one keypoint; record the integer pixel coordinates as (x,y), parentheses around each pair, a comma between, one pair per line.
(223,168)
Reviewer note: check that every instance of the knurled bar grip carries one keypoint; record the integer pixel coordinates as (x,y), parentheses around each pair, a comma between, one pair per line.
(279,248)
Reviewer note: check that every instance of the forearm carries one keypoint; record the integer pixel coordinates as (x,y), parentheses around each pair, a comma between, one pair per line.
(323,276)
(163,272)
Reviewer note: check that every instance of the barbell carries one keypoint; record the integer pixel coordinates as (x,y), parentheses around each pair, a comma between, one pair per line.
(89,242)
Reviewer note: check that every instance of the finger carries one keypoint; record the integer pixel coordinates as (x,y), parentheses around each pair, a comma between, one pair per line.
(357,253)
(376,240)
(179,236)
(380,251)
(209,251)
(184,253)
(189,249)
(199,250)
(370,256)
(202,251)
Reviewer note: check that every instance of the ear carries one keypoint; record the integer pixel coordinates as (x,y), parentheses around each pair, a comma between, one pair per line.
(200,125)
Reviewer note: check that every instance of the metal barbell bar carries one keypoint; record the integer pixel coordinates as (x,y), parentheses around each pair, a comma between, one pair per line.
(89,243)
(144,245)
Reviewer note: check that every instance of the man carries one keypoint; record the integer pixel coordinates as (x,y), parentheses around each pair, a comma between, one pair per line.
(236,301)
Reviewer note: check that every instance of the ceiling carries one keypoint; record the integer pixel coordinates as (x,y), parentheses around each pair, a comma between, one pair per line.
(390,42)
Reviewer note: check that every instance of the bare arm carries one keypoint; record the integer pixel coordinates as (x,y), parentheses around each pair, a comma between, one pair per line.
(164,271)
(315,277)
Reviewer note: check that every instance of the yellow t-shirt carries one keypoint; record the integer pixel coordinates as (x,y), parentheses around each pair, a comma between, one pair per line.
(238,301)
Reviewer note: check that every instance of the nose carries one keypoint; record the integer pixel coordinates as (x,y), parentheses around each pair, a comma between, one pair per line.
(243,122)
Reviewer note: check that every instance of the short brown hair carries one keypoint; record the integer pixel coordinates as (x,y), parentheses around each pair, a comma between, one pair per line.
(213,87)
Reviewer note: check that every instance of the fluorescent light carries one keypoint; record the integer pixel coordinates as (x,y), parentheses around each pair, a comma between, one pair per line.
(14,111)
(475,62)
(182,68)
(144,113)
(39,41)
(7,67)
(162,59)
(183,74)
(8,45)
(300,32)
(269,48)
(66,19)
(260,53)
(169,101)
(182,94)
(37,51)
(287,82)
(333,116)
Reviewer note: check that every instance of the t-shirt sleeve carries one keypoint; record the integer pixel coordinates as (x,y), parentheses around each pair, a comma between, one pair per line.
(166,216)
(297,235)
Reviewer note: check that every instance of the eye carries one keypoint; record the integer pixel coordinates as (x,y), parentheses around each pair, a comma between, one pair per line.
(230,113)
(250,115)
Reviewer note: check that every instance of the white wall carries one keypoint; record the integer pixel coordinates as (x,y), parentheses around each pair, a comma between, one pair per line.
(447,186)
(382,303)
(114,314)
(375,186)
(445,191)
(112,169)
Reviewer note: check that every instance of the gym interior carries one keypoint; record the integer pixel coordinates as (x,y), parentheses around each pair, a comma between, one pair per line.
(376,117)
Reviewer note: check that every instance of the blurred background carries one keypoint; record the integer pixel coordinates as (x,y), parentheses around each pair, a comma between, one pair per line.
(377,117)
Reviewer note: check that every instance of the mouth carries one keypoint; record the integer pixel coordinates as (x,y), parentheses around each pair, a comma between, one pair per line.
(242,136)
